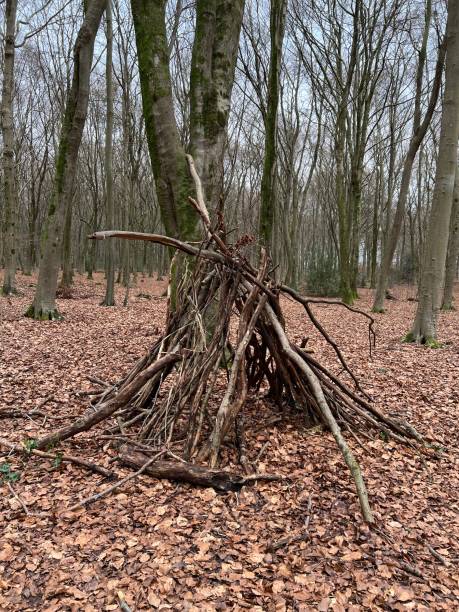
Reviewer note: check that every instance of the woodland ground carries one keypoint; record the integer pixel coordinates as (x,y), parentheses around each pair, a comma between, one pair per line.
(181,548)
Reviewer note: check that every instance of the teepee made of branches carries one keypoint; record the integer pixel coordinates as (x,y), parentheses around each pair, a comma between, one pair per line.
(225,319)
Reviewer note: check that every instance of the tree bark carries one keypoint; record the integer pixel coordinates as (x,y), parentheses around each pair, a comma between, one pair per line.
(418,132)
(44,304)
(453,248)
(67,268)
(213,63)
(9,178)
(109,299)
(431,284)
(268,180)
(173,184)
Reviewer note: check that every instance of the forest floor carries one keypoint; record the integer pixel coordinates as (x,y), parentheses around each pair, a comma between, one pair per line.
(174,547)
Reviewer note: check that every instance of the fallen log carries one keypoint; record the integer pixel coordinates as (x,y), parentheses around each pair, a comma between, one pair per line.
(188,472)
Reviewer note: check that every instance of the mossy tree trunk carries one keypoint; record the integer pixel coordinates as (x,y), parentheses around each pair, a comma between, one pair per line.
(213,63)
(431,284)
(173,184)
(268,180)
(44,304)
(67,267)
(218,24)
(9,179)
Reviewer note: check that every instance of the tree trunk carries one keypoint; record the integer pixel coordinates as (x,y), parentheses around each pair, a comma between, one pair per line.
(9,179)
(268,181)
(109,299)
(44,304)
(433,271)
(67,268)
(173,183)
(213,62)
(418,133)
(453,248)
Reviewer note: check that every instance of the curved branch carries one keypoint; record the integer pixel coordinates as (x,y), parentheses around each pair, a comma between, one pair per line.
(185,247)
(306,303)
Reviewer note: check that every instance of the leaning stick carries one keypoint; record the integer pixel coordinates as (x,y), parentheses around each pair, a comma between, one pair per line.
(200,204)
(306,303)
(326,414)
(185,247)
(108,408)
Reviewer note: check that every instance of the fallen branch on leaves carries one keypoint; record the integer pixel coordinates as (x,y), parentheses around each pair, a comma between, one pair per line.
(58,458)
(181,471)
(299,536)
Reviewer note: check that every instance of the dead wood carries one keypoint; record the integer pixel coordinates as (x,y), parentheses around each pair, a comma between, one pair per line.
(182,471)
(109,407)
(299,536)
(115,486)
(58,458)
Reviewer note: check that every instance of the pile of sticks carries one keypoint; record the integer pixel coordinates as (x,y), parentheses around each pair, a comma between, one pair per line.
(165,398)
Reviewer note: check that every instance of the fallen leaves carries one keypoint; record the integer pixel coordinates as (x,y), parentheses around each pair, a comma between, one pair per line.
(167,547)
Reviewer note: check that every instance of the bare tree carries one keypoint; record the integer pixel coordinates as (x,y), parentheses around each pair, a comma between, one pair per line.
(109,299)
(44,304)
(419,130)
(431,284)
(268,180)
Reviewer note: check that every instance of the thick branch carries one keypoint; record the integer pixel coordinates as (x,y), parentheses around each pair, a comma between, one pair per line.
(108,408)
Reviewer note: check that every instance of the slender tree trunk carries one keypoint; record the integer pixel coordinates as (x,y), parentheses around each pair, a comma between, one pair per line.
(375,227)
(109,299)
(453,248)
(9,178)
(268,181)
(418,133)
(343,215)
(356,204)
(44,304)
(433,271)
(67,267)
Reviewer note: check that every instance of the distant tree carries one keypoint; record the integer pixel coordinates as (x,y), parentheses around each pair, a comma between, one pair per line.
(418,132)
(109,299)
(44,303)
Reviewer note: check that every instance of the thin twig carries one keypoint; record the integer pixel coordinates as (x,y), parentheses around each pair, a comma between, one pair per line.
(437,555)
(59,458)
(117,485)
(262,450)
(296,537)
(16,496)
